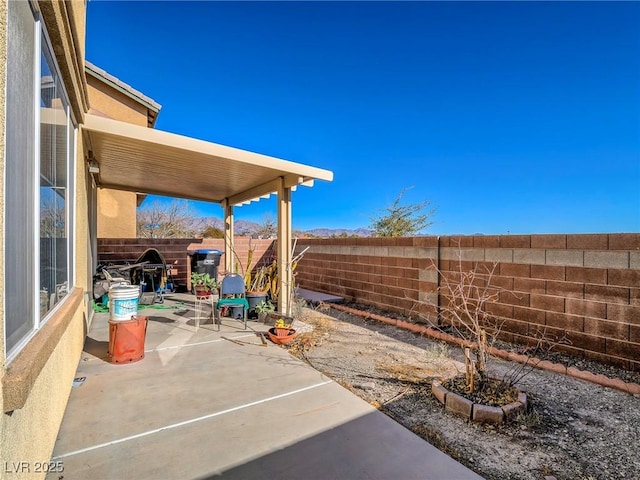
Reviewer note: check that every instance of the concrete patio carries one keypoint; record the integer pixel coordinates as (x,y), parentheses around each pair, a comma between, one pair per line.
(200,406)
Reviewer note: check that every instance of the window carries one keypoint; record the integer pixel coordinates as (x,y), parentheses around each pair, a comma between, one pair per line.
(55,160)
(40,164)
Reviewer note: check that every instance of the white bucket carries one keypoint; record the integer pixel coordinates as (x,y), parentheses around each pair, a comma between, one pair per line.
(123,302)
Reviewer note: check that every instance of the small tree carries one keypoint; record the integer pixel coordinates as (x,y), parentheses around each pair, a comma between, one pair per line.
(267,228)
(403,220)
(168,220)
(466,295)
(469,293)
(52,217)
(212,232)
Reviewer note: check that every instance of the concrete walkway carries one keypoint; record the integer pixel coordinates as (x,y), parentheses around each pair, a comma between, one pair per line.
(317,297)
(201,406)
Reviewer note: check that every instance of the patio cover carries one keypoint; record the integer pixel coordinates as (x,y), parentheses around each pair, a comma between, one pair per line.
(145,160)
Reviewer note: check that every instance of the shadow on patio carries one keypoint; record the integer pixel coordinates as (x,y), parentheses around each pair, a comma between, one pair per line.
(200,406)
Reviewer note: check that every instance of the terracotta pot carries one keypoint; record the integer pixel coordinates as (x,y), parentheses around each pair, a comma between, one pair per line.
(282,340)
(282,331)
(202,291)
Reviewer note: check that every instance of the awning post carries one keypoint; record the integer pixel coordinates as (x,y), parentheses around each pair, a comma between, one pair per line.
(285,274)
(228,236)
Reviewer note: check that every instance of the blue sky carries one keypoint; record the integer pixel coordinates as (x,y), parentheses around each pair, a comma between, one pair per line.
(510,117)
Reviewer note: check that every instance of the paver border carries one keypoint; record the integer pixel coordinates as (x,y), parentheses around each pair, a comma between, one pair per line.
(598,379)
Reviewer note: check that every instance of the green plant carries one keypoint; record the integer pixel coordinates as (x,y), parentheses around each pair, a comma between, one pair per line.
(437,351)
(299,304)
(280,323)
(265,307)
(205,280)
(266,278)
(261,281)
(530,419)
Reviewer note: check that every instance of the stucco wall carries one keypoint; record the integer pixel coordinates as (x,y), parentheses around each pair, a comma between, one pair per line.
(116,209)
(116,214)
(29,434)
(106,100)
(39,379)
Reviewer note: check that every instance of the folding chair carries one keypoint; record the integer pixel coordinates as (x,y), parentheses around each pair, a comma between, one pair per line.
(232,294)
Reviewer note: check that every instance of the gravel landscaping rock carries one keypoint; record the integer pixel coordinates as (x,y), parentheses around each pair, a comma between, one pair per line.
(572,429)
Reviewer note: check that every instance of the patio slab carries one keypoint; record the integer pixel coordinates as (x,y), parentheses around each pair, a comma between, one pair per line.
(318,297)
(201,406)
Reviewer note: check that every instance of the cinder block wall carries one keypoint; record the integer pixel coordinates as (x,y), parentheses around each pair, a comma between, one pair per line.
(582,288)
(388,273)
(263,251)
(121,250)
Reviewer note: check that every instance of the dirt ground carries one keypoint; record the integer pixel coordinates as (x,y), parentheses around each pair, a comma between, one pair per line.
(573,429)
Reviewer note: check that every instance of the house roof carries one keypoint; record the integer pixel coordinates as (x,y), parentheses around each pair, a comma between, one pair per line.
(146,160)
(153,107)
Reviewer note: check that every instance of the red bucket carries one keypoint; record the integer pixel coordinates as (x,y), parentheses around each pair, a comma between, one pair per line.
(126,339)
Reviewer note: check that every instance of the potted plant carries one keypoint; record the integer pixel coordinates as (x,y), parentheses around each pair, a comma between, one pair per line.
(203,284)
(282,333)
(257,286)
(282,328)
(264,308)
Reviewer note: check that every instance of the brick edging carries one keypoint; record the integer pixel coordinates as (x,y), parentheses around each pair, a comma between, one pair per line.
(598,379)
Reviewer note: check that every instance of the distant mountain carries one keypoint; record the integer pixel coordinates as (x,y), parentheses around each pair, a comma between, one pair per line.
(339,232)
(241,227)
(244,227)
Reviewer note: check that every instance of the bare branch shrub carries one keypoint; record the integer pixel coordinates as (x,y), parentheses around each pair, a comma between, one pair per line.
(53,222)
(544,344)
(268,228)
(466,295)
(175,219)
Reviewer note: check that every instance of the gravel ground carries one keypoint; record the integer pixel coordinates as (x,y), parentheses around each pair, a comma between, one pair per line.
(573,429)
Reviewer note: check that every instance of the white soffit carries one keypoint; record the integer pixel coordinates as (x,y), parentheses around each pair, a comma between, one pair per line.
(146,160)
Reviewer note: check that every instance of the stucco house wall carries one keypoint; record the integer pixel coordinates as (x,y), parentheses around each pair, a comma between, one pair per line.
(116,208)
(116,214)
(36,384)
(107,101)
(36,381)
